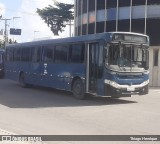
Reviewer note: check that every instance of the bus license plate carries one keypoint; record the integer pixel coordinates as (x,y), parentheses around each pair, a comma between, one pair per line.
(130,89)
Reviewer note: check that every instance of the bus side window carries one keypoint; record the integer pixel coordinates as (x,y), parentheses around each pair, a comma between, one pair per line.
(9,54)
(17,54)
(77,53)
(36,54)
(48,54)
(25,54)
(61,54)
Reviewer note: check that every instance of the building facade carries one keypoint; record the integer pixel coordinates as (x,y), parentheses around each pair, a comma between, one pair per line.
(142,16)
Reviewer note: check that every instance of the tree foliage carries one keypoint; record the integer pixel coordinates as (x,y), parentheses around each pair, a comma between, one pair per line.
(9,41)
(2,43)
(56,16)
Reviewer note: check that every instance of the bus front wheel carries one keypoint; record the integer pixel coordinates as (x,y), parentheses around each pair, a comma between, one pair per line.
(78,89)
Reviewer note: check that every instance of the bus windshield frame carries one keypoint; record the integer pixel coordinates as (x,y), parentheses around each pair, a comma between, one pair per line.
(127,56)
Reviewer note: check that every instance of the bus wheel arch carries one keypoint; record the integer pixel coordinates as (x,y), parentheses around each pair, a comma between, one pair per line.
(78,88)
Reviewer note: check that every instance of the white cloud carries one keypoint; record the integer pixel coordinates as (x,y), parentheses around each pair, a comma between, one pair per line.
(31,22)
(2,9)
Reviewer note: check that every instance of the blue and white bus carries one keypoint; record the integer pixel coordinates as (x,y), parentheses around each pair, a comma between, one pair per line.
(2,62)
(112,64)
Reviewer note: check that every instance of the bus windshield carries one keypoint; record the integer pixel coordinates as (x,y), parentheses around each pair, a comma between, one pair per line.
(126,57)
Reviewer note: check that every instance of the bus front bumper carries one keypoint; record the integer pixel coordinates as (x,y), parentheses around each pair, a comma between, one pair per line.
(114,89)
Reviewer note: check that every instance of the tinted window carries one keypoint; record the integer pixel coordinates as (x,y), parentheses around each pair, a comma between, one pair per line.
(79,7)
(36,54)
(152,2)
(48,54)
(138,2)
(91,28)
(9,54)
(61,54)
(17,54)
(25,54)
(111,3)
(91,5)
(123,3)
(84,6)
(77,53)
(101,4)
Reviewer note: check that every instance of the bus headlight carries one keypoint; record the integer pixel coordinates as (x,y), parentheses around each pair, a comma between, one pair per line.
(112,83)
(145,83)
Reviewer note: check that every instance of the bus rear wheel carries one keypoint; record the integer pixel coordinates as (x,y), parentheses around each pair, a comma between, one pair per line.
(78,89)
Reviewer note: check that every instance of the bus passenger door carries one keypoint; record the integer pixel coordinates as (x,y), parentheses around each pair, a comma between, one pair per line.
(94,69)
(93,64)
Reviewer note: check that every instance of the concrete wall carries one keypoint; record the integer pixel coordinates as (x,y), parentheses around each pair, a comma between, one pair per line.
(154,70)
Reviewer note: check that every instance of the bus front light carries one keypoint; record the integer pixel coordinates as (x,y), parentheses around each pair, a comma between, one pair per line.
(112,83)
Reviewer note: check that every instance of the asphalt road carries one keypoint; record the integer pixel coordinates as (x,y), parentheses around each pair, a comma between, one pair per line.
(45,111)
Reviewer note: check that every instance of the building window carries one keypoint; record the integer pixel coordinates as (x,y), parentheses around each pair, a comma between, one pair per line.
(84,29)
(111,14)
(85,6)
(111,4)
(79,7)
(155,57)
(91,5)
(138,2)
(100,5)
(153,2)
(123,3)
(91,28)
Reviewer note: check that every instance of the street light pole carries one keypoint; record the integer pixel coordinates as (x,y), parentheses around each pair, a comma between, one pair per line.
(5,32)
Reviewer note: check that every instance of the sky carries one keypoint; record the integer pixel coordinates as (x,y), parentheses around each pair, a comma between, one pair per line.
(33,27)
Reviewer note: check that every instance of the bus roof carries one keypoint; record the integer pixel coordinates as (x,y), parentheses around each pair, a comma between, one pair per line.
(85,38)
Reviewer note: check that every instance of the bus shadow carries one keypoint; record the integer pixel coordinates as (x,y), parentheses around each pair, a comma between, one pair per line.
(39,97)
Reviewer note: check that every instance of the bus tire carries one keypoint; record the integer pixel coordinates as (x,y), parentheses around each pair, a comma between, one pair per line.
(22,80)
(78,89)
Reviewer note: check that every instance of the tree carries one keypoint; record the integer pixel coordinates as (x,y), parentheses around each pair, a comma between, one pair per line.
(56,16)
(2,44)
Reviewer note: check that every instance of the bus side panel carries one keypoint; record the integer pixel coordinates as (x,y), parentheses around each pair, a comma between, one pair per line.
(11,71)
(34,76)
(60,75)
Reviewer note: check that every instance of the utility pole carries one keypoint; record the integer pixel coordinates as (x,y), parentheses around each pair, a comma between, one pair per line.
(5,31)
(13,24)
